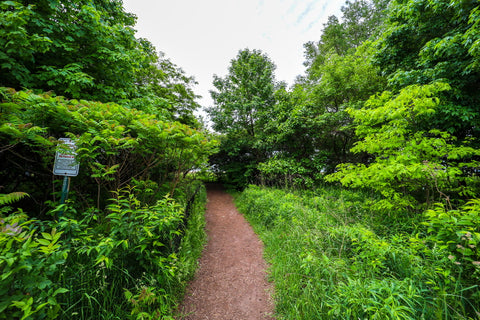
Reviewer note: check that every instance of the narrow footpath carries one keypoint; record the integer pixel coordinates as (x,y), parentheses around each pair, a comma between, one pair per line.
(230,283)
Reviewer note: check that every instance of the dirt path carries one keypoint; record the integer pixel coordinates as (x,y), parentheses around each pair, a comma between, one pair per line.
(230,283)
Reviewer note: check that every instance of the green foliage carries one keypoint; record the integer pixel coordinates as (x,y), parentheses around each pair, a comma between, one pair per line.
(244,95)
(47,45)
(134,241)
(311,125)
(134,246)
(147,304)
(149,231)
(56,35)
(435,40)
(194,237)
(243,102)
(327,262)
(129,256)
(176,87)
(11,197)
(309,131)
(30,264)
(121,252)
(284,172)
(114,145)
(458,232)
(361,20)
(133,264)
(17,42)
(408,166)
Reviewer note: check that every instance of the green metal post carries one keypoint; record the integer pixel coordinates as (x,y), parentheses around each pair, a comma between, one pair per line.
(66,183)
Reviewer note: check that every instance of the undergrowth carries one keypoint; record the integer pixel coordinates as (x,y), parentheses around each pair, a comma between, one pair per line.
(332,257)
(132,261)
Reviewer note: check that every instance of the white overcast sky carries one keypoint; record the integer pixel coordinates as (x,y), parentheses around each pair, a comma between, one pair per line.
(203,36)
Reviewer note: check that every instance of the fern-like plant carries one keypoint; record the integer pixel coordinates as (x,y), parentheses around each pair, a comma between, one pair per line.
(10,198)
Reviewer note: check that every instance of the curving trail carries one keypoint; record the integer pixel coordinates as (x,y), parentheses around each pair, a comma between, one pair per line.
(230,283)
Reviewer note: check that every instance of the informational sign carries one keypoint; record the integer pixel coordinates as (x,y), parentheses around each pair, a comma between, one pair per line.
(65,164)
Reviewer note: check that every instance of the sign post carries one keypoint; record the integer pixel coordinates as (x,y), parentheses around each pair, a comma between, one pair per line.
(66,165)
(65,187)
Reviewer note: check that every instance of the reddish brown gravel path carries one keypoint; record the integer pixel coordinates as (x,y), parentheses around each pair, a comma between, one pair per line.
(230,283)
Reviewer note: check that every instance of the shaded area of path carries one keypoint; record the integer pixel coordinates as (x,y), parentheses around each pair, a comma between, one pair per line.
(230,283)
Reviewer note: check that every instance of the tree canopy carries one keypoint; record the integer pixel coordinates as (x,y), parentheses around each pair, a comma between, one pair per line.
(309,128)
(427,41)
(88,50)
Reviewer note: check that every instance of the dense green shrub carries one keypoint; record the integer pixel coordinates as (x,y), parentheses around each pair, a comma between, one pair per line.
(457,233)
(29,265)
(132,263)
(411,168)
(116,146)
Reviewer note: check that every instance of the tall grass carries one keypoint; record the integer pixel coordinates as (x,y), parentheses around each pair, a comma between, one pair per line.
(333,258)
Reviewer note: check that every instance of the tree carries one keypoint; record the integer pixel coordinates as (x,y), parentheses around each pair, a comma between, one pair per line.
(339,75)
(292,139)
(436,40)
(421,137)
(309,131)
(361,20)
(87,49)
(410,167)
(345,81)
(76,48)
(165,90)
(116,146)
(175,86)
(243,101)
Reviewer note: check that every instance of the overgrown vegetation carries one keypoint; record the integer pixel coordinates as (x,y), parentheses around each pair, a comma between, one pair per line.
(116,146)
(333,257)
(129,261)
(388,108)
(88,50)
(292,136)
(120,247)
(388,105)
(413,62)
(129,236)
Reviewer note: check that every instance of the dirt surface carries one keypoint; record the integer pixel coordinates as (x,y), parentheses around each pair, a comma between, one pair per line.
(230,283)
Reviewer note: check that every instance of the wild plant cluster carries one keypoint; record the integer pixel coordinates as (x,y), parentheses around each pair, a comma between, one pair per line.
(130,261)
(333,256)
(128,237)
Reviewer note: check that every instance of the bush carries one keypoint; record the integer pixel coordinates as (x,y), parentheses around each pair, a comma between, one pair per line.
(457,234)
(411,166)
(30,263)
(132,262)
(116,146)
(135,259)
